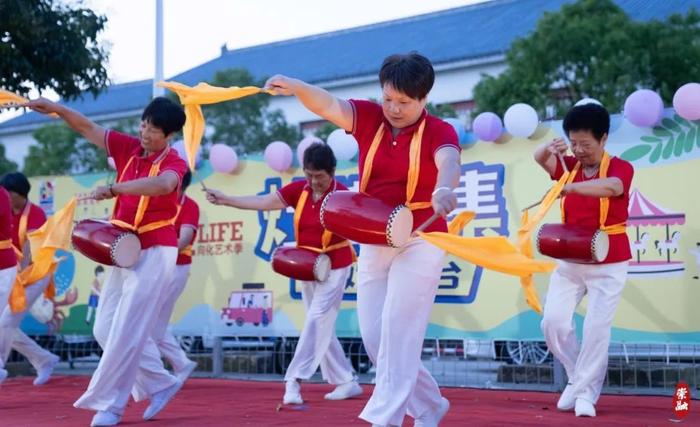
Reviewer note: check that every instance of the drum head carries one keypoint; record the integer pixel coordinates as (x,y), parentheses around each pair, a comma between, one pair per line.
(600,246)
(399,227)
(322,267)
(126,250)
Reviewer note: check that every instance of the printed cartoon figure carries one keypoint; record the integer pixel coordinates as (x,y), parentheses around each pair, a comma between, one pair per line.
(95,289)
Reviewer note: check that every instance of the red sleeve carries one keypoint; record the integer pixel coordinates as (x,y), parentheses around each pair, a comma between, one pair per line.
(559,170)
(36,218)
(290,193)
(623,170)
(189,217)
(174,163)
(443,135)
(120,147)
(366,118)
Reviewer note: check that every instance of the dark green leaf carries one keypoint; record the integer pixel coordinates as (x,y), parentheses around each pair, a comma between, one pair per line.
(671,124)
(680,144)
(651,139)
(668,149)
(662,132)
(690,140)
(656,154)
(636,152)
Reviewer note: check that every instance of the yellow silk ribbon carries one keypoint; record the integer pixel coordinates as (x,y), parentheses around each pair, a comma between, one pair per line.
(7,97)
(196,96)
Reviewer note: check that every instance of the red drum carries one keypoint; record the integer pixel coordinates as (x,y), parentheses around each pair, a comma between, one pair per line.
(103,242)
(573,243)
(301,264)
(365,219)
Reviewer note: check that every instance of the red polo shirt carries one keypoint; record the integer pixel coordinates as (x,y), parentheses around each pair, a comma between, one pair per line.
(121,148)
(310,228)
(7,256)
(188,218)
(390,166)
(585,210)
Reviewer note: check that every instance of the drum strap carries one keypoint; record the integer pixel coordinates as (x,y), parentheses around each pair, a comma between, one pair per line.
(413,165)
(325,238)
(620,228)
(143,202)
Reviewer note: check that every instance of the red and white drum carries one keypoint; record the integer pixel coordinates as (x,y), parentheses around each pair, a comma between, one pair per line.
(103,242)
(365,219)
(301,264)
(577,244)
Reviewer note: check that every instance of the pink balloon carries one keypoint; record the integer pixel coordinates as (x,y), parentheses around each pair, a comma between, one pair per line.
(223,158)
(644,108)
(487,126)
(686,101)
(303,145)
(278,156)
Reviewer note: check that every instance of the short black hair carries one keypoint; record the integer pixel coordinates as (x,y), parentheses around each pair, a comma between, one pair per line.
(165,115)
(319,156)
(17,183)
(588,117)
(186,180)
(99,269)
(410,73)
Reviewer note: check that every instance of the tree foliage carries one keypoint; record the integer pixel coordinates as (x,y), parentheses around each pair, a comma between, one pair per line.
(6,165)
(247,124)
(50,44)
(591,48)
(61,151)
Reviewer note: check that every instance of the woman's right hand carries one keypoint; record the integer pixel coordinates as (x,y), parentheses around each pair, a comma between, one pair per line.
(216,197)
(558,147)
(43,105)
(280,85)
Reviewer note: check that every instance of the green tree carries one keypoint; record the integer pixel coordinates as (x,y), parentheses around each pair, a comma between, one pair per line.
(51,44)
(6,165)
(591,48)
(324,130)
(247,124)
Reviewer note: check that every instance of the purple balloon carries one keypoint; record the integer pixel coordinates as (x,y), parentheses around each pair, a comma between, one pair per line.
(223,158)
(686,101)
(644,108)
(487,126)
(303,145)
(278,156)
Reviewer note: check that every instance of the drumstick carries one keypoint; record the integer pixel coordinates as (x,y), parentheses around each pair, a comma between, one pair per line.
(566,169)
(426,224)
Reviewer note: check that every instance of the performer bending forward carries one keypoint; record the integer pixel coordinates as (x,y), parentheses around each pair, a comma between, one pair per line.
(318,345)
(596,196)
(406,156)
(148,178)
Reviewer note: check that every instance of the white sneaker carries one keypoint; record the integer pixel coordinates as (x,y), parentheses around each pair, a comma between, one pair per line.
(3,375)
(584,408)
(292,393)
(567,400)
(105,418)
(160,399)
(43,374)
(185,372)
(345,391)
(432,419)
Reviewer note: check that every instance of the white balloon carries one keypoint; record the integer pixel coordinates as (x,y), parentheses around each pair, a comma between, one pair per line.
(344,146)
(521,120)
(179,146)
(111,164)
(585,101)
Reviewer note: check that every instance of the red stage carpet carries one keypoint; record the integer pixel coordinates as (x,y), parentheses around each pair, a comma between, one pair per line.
(208,402)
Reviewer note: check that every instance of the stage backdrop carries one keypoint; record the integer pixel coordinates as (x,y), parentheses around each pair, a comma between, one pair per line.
(233,291)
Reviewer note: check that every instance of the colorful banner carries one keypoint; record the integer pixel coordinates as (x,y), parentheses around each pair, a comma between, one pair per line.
(233,291)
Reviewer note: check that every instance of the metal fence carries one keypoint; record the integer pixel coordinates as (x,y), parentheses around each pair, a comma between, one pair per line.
(522,365)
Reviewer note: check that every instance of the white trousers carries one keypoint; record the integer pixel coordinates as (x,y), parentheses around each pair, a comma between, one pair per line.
(395,294)
(586,365)
(318,345)
(11,336)
(165,341)
(129,304)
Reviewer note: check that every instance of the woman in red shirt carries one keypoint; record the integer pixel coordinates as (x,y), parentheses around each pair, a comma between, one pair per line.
(318,345)
(597,196)
(406,157)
